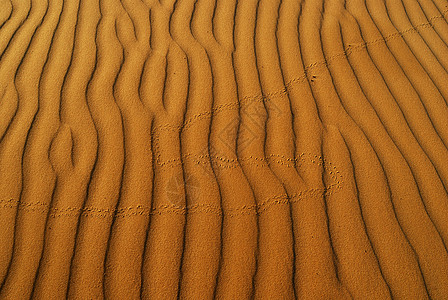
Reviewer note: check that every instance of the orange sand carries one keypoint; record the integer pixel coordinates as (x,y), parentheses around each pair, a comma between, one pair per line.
(228,149)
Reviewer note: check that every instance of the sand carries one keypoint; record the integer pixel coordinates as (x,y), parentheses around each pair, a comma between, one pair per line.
(223,149)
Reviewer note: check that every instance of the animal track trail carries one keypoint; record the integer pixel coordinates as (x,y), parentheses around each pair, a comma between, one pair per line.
(223,149)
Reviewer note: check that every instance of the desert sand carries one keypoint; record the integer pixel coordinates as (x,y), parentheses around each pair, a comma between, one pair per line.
(223,149)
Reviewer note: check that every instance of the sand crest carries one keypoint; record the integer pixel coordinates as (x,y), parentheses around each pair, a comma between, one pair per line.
(223,149)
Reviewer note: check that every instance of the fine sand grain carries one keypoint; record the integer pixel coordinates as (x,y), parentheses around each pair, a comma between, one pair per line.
(227,149)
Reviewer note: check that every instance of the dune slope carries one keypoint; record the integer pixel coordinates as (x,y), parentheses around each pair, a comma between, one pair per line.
(228,149)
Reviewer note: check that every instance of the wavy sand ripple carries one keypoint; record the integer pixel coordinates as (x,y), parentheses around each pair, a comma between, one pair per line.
(199,149)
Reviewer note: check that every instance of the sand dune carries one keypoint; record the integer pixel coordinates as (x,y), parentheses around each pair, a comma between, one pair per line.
(228,149)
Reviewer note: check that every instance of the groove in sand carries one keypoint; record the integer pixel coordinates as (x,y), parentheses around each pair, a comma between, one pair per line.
(199,149)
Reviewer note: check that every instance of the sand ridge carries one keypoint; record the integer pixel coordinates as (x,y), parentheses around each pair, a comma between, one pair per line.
(229,149)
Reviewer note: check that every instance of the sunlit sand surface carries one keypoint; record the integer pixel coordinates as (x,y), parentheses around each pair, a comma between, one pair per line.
(223,149)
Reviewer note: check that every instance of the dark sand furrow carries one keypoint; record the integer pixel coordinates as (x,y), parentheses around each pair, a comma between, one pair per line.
(38,176)
(431,36)
(8,108)
(337,68)
(382,227)
(440,27)
(12,136)
(223,149)
(290,84)
(165,237)
(70,154)
(223,22)
(56,212)
(419,245)
(279,128)
(274,260)
(436,186)
(10,182)
(239,227)
(20,12)
(201,255)
(46,16)
(418,47)
(403,139)
(347,229)
(318,234)
(138,12)
(123,271)
(442,6)
(70,164)
(404,210)
(19,44)
(77,78)
(6,13)
(347,213)
(396,86)
(407,61)
(305,119)
(87,267)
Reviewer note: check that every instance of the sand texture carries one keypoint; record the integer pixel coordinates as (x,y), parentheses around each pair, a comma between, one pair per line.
(223,149)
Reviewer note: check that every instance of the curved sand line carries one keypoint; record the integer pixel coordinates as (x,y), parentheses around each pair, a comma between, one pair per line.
(199,149)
